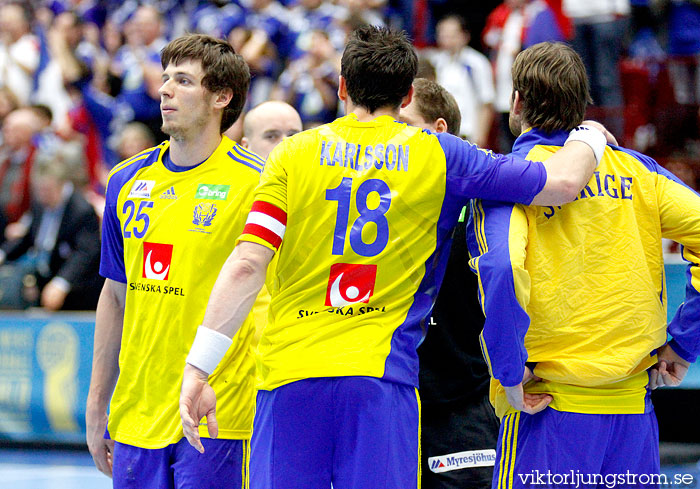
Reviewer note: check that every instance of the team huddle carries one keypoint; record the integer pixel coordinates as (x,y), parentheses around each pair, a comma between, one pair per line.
(301,283)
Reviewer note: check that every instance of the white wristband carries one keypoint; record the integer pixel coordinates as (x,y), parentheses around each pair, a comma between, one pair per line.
(208,349)
(592,137)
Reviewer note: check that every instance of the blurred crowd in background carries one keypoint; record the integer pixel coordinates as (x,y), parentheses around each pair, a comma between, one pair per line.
(79,92)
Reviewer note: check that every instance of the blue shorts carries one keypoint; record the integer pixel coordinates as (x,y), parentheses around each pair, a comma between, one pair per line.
(572,450)
(353,432)
(179,466)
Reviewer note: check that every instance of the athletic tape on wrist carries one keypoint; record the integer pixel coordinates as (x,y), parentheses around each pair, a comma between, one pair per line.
(208,349)
(592,137)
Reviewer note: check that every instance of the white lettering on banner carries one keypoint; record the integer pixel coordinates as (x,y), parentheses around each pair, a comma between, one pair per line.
(462,460)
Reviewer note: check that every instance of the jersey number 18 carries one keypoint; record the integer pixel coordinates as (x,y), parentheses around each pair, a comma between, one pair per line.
(343,195)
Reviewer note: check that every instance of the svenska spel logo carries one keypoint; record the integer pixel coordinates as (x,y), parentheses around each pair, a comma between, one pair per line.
(156,260)
(350,284)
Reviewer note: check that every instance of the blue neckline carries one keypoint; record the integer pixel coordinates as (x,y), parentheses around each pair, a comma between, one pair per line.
(168,163)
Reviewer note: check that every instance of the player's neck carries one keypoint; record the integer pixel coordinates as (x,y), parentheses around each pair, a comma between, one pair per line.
(364,115)
(191,151)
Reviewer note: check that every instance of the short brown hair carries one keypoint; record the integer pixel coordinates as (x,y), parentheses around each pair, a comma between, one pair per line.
(433,102)
(551,80)
(223,69)
(378,65)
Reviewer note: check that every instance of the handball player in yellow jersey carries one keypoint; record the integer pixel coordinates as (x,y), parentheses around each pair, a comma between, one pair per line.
(576,295)
(172,215)
(359,212)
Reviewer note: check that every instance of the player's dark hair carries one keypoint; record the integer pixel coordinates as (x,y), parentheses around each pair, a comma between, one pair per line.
(223,69)
(551,80)
(378,65)
(434,102)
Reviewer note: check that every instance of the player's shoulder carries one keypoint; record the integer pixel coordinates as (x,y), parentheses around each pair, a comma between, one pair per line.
(244,160)
(127,169)
(627,155)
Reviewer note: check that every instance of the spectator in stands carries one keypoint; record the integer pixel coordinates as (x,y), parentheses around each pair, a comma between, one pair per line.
(19,50)
(308,16)
(265,43)
(134,138)
(8,103)
(466,74)
(370,11)
(70,60)
(684,51)
(599,31)
(217,18)
(138,65)
(59,237)
(16,158)
(311,82)
(267,125)
(512,26)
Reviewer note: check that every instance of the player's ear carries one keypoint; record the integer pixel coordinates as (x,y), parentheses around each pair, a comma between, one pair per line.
(516,102)
(406,100)
(223,98)
(440,125)
(342,89)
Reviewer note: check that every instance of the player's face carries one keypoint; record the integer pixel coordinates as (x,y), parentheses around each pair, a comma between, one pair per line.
(185,105)
(412,117)
(271,129)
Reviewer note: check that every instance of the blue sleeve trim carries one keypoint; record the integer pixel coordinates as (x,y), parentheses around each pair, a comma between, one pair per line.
(506,322)
(244,153)
(682,352)
(247,163)
(112,248)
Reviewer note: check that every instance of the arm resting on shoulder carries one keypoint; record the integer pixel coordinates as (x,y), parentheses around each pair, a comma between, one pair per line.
(568,171)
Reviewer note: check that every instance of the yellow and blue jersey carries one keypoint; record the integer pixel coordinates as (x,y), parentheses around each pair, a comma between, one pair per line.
(167,232)
(360,214)
(579,290)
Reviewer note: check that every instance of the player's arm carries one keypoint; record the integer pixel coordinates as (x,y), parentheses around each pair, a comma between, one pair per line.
(570,168)
(679,212)
(109,324)
(497,239)
(233,295)
(474,172)
(230,302)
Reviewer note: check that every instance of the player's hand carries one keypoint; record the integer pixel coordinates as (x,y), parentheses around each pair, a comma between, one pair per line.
(197,400)
(608,135)
(669,370)
(100,448)
(522,401)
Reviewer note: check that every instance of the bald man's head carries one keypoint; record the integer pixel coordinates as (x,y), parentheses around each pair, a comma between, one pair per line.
(266,125)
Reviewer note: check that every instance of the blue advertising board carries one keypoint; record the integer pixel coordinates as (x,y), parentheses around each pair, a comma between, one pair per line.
(45,362)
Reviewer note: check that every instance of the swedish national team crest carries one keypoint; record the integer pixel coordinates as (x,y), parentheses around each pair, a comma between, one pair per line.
(204,214)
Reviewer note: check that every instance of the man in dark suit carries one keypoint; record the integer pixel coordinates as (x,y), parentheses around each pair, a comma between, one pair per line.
(57,241)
